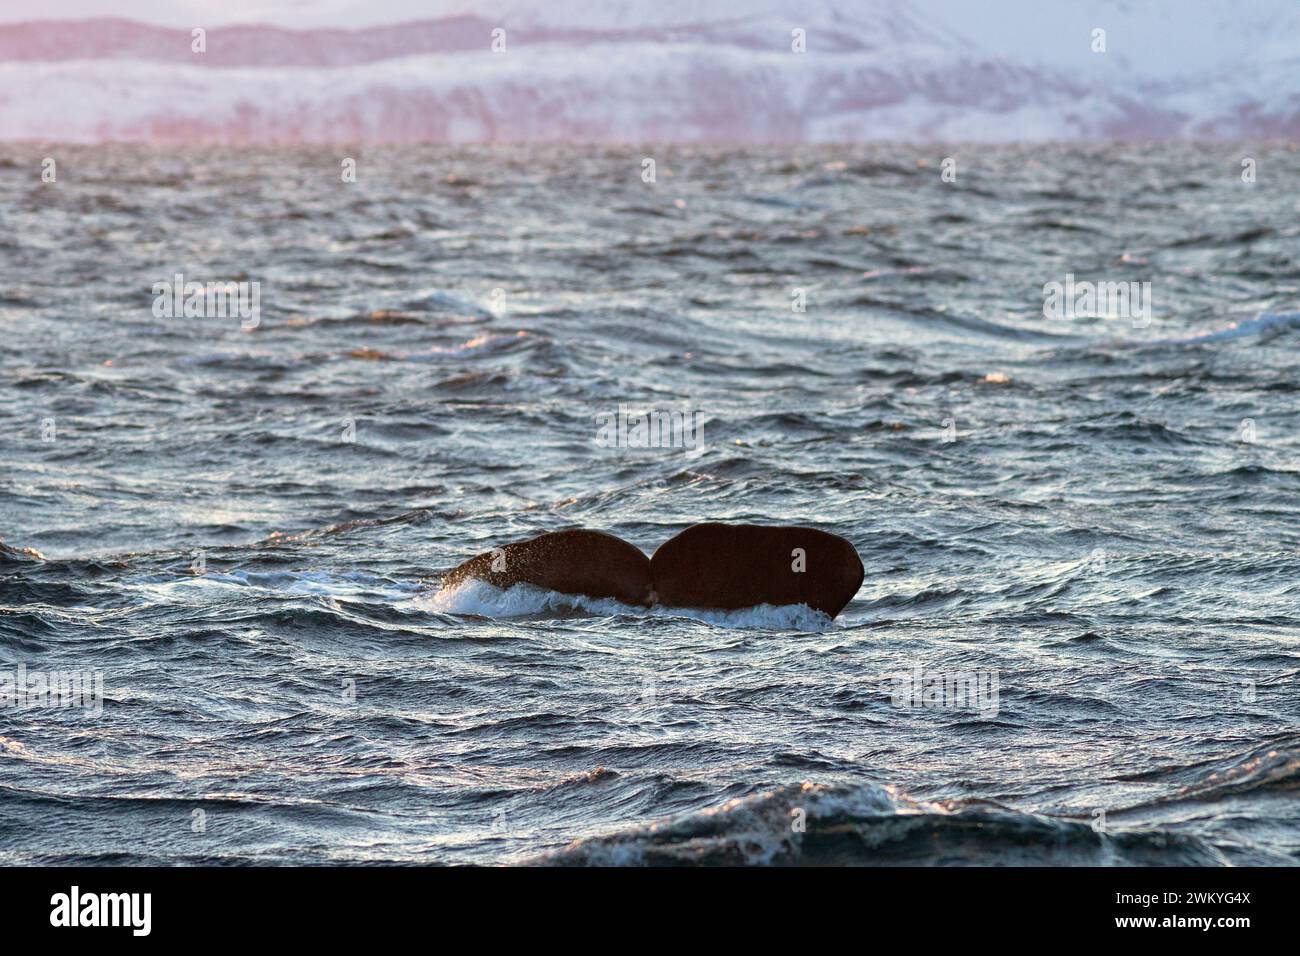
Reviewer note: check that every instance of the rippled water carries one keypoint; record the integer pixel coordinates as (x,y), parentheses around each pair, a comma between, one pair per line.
(1100,517)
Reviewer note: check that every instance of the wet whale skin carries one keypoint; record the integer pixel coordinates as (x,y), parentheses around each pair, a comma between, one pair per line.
(576,561)
(729,567)
(707,566)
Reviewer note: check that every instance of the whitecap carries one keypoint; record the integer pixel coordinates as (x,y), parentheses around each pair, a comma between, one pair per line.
(478,598)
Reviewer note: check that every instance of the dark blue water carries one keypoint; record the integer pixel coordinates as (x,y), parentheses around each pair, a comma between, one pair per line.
(241,531)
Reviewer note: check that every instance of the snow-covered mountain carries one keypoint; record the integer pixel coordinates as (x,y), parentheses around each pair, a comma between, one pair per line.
(654,70)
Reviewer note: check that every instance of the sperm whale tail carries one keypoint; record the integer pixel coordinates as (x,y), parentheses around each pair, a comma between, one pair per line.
(707,566)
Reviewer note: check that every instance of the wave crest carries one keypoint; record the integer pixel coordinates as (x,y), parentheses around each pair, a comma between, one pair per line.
(820,825)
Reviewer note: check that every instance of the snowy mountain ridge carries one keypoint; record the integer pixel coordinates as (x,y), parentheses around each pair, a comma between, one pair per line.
(673,70)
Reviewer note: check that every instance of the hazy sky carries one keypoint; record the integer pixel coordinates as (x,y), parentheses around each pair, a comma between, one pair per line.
(304,13)
(309,13)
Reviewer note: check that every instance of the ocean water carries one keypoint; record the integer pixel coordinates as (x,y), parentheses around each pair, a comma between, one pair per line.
(1084,528)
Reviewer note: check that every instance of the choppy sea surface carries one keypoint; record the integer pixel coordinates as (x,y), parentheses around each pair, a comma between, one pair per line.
(241,531)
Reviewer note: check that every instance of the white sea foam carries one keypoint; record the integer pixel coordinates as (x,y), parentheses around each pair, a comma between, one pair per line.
(312,583)
(481,599)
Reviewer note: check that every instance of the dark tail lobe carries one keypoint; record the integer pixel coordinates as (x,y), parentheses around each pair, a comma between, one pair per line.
(736,566)
(593,563)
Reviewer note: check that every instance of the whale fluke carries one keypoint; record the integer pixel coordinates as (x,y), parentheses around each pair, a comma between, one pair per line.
(591,563)
(729,567)
(707,566)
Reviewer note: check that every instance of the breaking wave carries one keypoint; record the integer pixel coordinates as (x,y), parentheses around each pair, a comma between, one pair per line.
(872,825)
(480,599)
